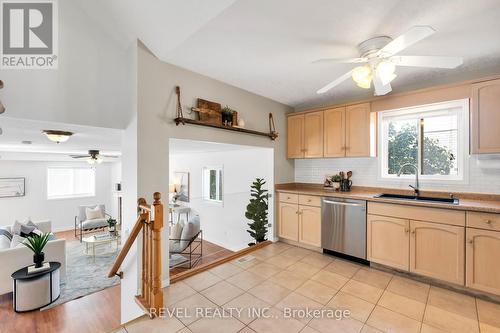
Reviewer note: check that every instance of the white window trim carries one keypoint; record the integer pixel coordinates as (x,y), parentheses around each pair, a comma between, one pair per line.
(206,198)
(463,144)
(70,196)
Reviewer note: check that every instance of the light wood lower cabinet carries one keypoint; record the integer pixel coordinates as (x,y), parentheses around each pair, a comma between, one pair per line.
(483,269)
(388,241)
(288,227)
(310,225)
(437,251)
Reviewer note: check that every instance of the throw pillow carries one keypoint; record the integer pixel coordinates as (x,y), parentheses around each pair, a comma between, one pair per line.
(5,239)
(17,241)
(93,213)
(177,230)
(21,229)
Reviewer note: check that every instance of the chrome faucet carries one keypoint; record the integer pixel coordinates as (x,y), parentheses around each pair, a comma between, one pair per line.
(415,188)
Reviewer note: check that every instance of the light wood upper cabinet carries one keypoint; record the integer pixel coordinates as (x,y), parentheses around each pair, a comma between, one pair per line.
(334,132)
(485,117)
(482,270)
(288,226)
(295,136)
(313,134)
(388,241)
(357,128)
(310,225)
(437,250)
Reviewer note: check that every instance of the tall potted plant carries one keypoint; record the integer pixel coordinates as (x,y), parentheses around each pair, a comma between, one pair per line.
(257,211)
(36,243)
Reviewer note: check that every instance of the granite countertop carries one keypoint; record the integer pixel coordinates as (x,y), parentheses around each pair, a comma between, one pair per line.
(489,203)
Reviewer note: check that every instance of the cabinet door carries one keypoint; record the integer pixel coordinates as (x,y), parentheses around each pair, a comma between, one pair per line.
(288,221)
(310,225)
(295,136)
(334,132)
(313,134)
(482,269)
(485,117)
(358,130)
(437,251)
(388,241)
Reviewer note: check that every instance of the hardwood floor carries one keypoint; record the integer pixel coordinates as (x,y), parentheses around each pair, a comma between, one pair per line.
(211,252)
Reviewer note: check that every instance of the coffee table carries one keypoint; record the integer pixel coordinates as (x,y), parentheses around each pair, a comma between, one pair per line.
(91,242)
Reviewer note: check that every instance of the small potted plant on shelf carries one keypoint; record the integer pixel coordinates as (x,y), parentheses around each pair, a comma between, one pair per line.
(36,243)
(336,182)
(112,226)
(227,116)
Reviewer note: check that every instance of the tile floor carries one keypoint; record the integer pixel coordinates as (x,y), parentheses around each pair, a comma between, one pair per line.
(285,277)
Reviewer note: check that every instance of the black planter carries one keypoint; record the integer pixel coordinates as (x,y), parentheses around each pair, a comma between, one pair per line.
(38,259)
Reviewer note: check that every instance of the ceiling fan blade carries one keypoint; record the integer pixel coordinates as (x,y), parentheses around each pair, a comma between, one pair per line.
(79,156)
(380,88)
(427,61)
(109,156)
(415,34)
(341,61)
(335,82)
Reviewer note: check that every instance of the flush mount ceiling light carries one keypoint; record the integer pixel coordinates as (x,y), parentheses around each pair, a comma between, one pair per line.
(57,136)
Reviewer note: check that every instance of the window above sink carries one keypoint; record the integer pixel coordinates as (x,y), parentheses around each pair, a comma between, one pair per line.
(432,137)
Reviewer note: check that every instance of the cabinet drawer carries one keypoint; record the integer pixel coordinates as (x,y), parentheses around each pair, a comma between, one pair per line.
(486,221)
(289,197)
(310,200)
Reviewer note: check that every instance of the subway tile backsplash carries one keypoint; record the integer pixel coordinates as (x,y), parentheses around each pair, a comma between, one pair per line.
(483,174)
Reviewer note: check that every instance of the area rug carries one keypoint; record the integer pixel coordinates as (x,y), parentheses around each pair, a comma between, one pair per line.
(83,275)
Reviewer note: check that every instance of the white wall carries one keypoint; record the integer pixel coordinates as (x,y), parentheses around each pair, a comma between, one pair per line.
(225,224)
(35,204)
(481,177)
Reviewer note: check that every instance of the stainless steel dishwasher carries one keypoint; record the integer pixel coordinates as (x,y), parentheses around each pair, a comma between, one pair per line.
(343,226)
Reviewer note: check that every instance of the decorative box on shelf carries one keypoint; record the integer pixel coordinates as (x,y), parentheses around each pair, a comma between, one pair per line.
(32,269)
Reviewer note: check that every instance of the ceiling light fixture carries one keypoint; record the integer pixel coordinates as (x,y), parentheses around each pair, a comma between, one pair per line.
(57,136)
(96,159)
(385,71)
(362,75)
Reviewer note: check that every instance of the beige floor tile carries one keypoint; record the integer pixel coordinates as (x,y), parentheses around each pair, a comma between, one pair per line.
(202,280)
(485,328)
(245,280)
(409,288)
(242,307)
(303,269)
(359,309)
(317,259)
(264,253)
(187,307)
(185,330)
(288,279)
(330,325)
(216,325)
(118,330)
(222,292)
(265,270)
(373,277)
(330,279)
(308,329)
(403,305)
(363,291)
(225,271)
(296,301)
(281,261)
(277,324)
(176,292)
(247,330)
(246,262)
(390,321)
(296,252)
(269,292)
(429,329)
(316,291)
(343,267)
(158,325)
(280,246)
(488,313)
(369,329)
(449,321)
(453,302)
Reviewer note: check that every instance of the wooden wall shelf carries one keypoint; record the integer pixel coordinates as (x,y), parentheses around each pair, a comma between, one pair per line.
(183,121)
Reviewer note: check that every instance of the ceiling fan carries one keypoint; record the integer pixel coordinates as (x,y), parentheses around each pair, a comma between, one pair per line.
(93,157)
(379,54)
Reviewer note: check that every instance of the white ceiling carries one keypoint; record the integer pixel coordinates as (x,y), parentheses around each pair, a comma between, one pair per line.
(181,146)
(15,130)
(267,47)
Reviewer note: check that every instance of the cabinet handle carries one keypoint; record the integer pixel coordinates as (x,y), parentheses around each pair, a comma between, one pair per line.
(470,241)
(407,230)
(413,232)
(489,222)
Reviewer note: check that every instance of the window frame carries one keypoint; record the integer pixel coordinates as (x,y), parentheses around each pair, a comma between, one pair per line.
(463,153)
(206,195)
(71,196)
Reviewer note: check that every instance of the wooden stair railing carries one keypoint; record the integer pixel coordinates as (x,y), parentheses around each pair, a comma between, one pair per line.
(150,222)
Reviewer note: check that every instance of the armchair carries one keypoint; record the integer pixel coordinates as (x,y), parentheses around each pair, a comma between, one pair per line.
(189,247)
(83,225)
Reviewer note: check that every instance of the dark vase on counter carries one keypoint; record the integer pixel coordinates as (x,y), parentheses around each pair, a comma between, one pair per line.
(38,259)
(345,185)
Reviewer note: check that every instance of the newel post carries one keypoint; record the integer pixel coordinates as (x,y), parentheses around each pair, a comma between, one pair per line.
(157,262)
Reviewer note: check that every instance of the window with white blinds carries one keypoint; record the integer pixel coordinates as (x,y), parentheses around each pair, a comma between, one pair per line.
(70,182)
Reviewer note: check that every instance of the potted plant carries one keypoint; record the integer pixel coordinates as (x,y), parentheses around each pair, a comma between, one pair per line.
(112,226)
(257,211)
(227,116)
(36,243)
(336,181)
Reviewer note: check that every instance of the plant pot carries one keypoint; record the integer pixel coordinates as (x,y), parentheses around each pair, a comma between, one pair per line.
(336,186)
(38,259)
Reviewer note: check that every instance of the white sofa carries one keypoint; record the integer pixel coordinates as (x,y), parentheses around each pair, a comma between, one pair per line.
(16,258)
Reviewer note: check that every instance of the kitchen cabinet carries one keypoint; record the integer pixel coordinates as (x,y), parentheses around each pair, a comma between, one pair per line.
(357,130)
(482,269)
(388,241)
(437,251)
(305,135)
(295,136)
(310,225)
(485,117)
(334,132)
(288,227)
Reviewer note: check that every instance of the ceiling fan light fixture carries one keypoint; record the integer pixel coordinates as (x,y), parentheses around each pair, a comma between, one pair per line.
(57,136)
(385,71)
(94,160)
(362,75)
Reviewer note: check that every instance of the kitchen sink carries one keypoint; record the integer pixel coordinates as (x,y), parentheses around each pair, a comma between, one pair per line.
(450,201)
